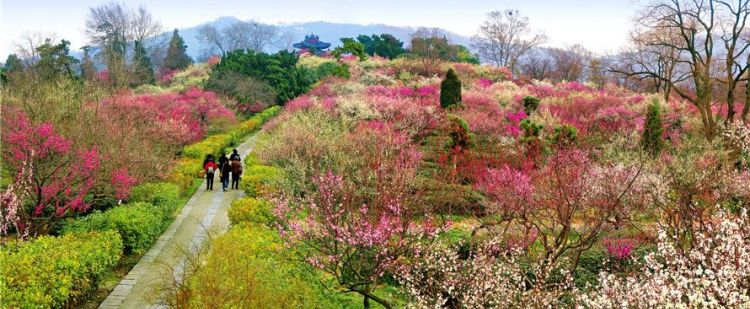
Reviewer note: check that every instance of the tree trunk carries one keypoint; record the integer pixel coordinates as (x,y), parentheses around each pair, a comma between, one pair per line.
(730,103)
(746,109)
(366,303)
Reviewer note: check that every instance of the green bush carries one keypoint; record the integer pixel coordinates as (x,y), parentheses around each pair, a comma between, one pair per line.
(257,179)
(333,69)
(51,271)
(246,90)
(450,90)
(279,71)
(160,194)
(139,224)
(251,210)
(530,104)
(652,140)
(210,145)
(248,268)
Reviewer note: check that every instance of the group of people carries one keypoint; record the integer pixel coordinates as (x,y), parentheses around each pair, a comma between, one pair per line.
(225,167)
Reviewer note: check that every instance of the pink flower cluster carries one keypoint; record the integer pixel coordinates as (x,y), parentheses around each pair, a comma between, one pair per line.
(183,117)
(619,248)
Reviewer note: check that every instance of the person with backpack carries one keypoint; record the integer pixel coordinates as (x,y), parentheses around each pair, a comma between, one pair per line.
(236,163)
(210,167)
(224,168)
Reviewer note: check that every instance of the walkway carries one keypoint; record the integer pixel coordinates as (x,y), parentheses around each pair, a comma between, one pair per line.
(205,212)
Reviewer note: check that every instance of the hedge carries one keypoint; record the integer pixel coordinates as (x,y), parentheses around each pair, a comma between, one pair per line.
(257,179)
(249,267)
(139,224)
(250,210)
(53,271)
(160,194)
(187,168)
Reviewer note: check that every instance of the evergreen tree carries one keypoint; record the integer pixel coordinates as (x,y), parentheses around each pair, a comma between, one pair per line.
(143,71)
(88,70)
(652,141)
(55,60)
(115,60)
(177,58)
(450,90)
(12,66)
(350,46)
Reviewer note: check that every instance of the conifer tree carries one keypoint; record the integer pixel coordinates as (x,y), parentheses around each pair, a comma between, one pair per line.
(177,58)
(652,140)
(88,70)
(143,72)
(450,90)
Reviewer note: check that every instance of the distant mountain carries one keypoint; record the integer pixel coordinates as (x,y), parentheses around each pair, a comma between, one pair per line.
(328,32)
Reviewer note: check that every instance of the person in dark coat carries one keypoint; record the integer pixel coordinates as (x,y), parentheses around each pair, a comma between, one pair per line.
(236,162)
(225,168)
(210,167)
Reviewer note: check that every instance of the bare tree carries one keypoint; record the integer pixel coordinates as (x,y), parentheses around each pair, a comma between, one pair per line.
(211,39)
(27,47)
(537,64)
(108,22)
(112,27)
(689,29)
(570,63)
(505,37)
(285,40)
(143,25)
(261,35)
(736,46)
(240,35)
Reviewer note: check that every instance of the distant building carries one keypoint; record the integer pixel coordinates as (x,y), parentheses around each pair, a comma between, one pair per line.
(312,44)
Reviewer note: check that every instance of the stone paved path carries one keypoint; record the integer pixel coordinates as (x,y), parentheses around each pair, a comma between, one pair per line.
(204,213)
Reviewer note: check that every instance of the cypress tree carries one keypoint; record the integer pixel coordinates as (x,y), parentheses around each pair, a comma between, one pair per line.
(88,70)
(450,90)
(143,72)
(177,58)
(651,140)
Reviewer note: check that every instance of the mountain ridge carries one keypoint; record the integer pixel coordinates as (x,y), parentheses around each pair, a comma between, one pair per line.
(328,31)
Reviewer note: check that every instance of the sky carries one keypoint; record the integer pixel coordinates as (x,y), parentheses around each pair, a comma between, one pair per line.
(599,25)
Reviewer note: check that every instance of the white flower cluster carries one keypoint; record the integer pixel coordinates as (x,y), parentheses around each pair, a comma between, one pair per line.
(739,135)
(490,277)
(714,273)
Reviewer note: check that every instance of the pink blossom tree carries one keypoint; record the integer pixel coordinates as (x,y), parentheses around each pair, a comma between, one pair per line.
(570,201)
(354,226)
(61,179)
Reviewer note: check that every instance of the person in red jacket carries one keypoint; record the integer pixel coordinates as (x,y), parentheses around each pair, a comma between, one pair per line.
(210,167)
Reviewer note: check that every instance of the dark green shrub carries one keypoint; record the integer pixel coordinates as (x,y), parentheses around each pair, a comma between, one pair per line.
(458,130)
(652,140)
(139,224)
(245,89)
(531,128)
(450,90)
(530,104)
(565,135)
(50,272)
(279,71)
(333,69)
